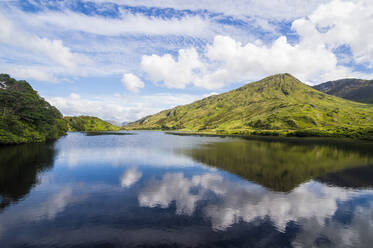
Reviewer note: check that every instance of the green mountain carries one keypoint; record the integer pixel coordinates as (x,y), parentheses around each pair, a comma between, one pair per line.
(25,117)
(276,105)
(89,124)
(350,88)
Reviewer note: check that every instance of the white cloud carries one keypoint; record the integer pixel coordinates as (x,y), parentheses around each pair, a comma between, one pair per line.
(121,107)
(14,36)
(74,96)
(64,44)
(130,177)
(132,83)
(127,23)
(174,73)
(346,23)
(279,10)
(31,72)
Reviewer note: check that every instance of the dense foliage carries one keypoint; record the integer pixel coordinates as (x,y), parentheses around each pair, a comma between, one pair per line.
(25,117)
(89,124)
(276,105)
(350,88)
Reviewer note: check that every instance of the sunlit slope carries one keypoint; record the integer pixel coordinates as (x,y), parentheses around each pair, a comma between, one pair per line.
(88,124)
(278,104)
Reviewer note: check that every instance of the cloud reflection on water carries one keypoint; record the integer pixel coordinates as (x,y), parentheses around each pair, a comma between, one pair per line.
(130,177)
(237,201)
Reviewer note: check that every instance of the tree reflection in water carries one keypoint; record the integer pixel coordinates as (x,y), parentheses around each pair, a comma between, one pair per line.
(19,169)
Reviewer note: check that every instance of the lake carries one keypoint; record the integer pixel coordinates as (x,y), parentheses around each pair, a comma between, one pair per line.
(154,189)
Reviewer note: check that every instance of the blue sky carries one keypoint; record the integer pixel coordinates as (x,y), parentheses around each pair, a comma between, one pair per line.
(124,59)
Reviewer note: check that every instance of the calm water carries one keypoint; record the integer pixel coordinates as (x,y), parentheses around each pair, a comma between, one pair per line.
(157,190)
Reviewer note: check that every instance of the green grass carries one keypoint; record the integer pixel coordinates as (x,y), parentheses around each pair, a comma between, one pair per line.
(277,105)
(89,124)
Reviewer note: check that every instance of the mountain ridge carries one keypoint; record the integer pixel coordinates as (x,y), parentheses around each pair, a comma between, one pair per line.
(353,89)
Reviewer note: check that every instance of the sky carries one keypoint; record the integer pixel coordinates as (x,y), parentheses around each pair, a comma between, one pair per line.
(124,59)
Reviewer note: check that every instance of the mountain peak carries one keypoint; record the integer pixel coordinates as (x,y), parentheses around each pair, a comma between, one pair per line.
(281,78)
(277,85)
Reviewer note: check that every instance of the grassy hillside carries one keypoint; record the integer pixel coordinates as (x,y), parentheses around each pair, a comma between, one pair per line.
(25,117)
(276,105)
(353,89)
(89,124)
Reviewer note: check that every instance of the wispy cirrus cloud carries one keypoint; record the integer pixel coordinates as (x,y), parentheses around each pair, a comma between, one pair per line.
(126,23)
(274,9)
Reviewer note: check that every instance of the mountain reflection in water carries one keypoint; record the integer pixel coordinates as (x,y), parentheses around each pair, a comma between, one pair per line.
(157,190)
(281,166)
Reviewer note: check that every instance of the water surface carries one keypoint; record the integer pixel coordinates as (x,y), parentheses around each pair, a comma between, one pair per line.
(157,190)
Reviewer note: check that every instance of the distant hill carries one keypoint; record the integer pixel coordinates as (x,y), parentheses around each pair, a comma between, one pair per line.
(89,124)
(25,117)
(352,89)
(276,105)
(115,123)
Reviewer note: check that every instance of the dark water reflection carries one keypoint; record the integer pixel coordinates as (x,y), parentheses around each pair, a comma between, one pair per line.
(157,190)
(19,168)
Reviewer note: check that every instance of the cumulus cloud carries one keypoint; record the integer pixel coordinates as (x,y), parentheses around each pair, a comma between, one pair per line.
(132,83)
(345,23)
(174,73)
(130,177)
(230,61)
